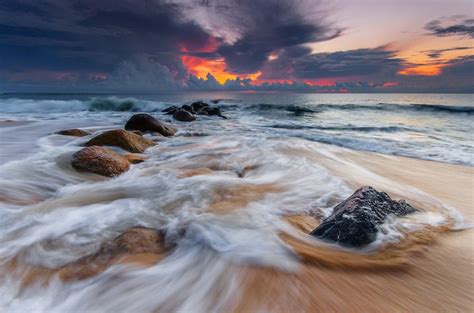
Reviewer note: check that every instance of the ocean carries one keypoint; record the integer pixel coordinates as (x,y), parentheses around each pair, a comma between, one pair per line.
(434,127)
(219,191)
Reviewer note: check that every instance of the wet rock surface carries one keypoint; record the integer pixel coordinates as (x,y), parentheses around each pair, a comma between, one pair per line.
(195,108)
(354,221)
(147,123)
(183,116)
(121,138)
(73,132)
(99,160)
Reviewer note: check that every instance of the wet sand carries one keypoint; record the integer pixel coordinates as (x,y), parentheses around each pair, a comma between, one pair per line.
(437,278)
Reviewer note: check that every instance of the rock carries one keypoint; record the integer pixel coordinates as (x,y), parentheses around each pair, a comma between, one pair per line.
(211,111)
(137,241)
(170,110)
(147,123)
(354,221)
(99,160)
(183,116)
(199,105)
(135,158)
(188,108)
(123,139)
(73,132)
(137,132)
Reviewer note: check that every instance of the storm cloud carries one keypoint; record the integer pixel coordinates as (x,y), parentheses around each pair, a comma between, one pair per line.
(90,45)
(463,28)
(300,63)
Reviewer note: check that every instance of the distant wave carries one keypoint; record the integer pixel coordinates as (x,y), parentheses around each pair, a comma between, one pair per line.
(294,108)
(317,108)
(387,129)
(401,107)
(14,105)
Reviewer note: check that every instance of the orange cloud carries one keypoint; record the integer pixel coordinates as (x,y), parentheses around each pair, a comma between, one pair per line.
(423,70)
(200,67)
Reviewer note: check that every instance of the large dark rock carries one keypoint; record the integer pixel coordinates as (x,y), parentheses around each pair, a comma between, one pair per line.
(73,132)
(123,139)
(183,116)
(99,160)
(147,123)
(354,221)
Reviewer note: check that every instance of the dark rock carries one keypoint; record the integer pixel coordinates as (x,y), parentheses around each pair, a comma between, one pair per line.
(199,105)
(123,139)
(170,110)
(354,221)
(147,123)
(99,160)
(211,112)
(73,132)
(188,108)
(183,116)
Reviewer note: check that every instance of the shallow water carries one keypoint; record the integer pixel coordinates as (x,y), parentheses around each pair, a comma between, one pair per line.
(193,189)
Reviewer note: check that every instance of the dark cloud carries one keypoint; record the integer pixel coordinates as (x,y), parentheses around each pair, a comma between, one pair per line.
(464,28)
(438,52)
(94,35)
(299,63)
(129,45)
(270,25)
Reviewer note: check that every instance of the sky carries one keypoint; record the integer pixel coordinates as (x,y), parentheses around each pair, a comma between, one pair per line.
(173,45)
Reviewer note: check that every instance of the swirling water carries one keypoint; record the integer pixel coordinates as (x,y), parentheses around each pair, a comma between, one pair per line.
(54,215)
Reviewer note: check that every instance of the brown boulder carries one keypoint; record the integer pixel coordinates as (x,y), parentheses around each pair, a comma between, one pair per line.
(136,241)
(147,123)
(99,160)
(73,132)
(123,139)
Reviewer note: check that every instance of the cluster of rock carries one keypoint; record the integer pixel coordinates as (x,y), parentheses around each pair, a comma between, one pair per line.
(186,112)
(353,223)
(97,159)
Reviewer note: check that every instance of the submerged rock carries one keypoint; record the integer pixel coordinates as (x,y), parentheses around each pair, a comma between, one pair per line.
(183,116)
(134,241)
(123,139)
(147,123)
(99,160)
(354,221)
(73,132)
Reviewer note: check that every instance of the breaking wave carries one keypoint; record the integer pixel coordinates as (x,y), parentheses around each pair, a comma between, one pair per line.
(317,108)
(93,105)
